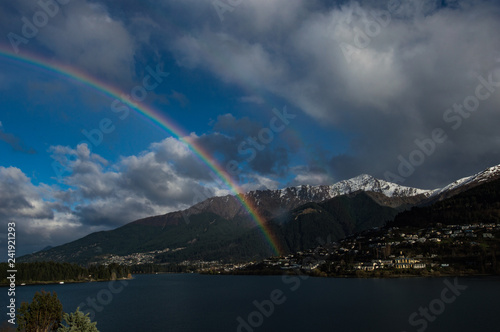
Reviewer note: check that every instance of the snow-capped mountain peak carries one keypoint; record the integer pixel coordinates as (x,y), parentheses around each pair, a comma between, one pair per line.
(361,182)
(366,182)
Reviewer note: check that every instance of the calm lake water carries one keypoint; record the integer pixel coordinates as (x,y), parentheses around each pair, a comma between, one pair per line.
(191,302)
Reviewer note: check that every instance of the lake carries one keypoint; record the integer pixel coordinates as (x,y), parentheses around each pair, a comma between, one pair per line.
(192,302)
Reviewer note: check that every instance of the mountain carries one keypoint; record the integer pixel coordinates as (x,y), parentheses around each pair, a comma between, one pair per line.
(209,236)
(47,248)
(464,184)
(220,228)
(477,204)
(272,203)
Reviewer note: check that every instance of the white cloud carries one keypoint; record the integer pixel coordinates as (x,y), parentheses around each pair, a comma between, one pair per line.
(153,182)
(259,182)
(311,178)
(19,197)
(34,209)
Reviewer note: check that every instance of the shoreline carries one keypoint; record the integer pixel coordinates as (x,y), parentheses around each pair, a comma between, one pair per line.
(367,276)
(343,276)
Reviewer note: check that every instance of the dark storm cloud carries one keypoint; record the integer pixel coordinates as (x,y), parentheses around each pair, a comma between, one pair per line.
(109,216)
(82,34)
(239,141)
(393,88)
(15,142)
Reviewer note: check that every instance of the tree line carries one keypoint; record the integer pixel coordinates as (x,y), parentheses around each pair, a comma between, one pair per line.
(56,272)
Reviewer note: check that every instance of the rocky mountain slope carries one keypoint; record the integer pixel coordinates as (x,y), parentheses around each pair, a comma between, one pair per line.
(466,183)
(477,204)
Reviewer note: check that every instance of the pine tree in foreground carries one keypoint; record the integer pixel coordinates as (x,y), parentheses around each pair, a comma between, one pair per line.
(78,322)
(43,314)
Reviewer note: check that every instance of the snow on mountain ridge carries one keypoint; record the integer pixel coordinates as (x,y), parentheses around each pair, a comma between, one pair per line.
(366,182)
(362,182)
(478,177)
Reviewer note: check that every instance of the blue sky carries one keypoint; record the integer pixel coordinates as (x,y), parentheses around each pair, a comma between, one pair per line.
(368,84)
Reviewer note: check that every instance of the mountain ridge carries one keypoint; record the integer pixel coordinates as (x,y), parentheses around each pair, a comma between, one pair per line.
(271,203)
(465,183)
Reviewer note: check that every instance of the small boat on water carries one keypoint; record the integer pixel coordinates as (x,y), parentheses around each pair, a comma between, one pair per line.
(61,282)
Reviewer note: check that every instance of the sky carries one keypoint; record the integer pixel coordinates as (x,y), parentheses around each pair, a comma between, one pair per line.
(277,92)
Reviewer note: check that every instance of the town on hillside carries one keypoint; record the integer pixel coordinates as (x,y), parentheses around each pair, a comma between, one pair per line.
(437,250)
(392,251)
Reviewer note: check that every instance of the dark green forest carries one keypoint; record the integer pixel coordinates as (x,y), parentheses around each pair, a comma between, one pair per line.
(45,272)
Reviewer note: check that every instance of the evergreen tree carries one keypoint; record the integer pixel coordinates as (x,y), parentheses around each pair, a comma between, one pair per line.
(78,322)
(43,314)
(7,327)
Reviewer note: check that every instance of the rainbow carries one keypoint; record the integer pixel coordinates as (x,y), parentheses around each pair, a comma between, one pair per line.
(157,118)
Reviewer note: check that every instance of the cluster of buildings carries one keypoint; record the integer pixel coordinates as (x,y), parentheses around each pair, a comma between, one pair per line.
(372,250)
(135,258)
(214,266)
(397,263)
(436,234)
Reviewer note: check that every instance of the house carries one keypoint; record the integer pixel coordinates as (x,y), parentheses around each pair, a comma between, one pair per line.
(386,263)
(365,266)
(408,263)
